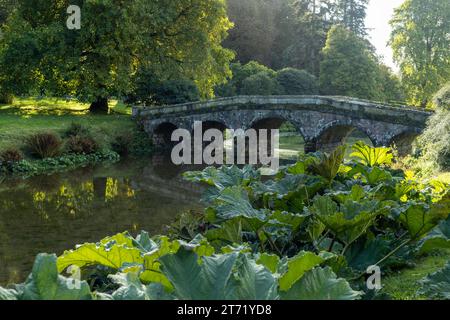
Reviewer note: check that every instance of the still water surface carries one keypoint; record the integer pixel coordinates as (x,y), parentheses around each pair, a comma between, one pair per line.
(54,213)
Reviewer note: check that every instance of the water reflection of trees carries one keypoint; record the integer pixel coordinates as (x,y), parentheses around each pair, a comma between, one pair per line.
(54,213)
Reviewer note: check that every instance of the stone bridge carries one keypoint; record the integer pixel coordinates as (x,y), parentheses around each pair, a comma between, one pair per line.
(323,121)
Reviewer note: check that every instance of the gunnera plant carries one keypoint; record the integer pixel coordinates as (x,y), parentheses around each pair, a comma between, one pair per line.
(11,155)
(82,145)
(44,145)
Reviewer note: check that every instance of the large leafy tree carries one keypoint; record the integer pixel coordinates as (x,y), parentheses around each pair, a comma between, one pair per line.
(348,67)
(420,40)
(173,39)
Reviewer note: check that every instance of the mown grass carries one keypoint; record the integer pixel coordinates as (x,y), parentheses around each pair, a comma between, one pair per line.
(404,284)
(28,116)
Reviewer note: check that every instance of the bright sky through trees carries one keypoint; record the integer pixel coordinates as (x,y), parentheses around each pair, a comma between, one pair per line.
(379,13)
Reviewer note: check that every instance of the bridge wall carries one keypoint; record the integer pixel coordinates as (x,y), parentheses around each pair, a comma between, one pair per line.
(311,115)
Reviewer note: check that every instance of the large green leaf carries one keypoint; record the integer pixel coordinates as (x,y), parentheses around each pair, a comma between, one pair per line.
(419,219)
(225,176)
(370,156)
(328,165)
(438,238)
(252,281)
(233,202)
(110,255)
(371,175)
(192,281)
(349,221)
(294,268)
(367,252)
(151,272)
(131,288)
(321,284)
(45,283)
(437,285)
(290,193)
(270,261)
(229,232)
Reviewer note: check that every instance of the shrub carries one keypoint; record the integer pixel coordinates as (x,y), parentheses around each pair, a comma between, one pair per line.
(176,91)
(44,145)
(76,129)
(260,84)
(297,82)
(11,155)
(123,143)
(82,145)
(135,143)
(240,74)
(435,141)
(442,98)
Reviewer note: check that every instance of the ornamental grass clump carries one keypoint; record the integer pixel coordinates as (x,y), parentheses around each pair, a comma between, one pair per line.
(44,145)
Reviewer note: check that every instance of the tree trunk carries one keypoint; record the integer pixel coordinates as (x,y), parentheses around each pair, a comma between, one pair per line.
(99,106)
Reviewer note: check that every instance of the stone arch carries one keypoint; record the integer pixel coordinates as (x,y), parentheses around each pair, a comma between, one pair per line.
(404,142)
(162,135)
(291,143)
(336,133)
(212,124)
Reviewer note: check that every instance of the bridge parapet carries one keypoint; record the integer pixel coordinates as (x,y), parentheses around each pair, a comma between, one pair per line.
(320,120)
(358,107)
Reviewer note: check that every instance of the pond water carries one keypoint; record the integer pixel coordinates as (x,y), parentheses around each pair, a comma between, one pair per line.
(54,213)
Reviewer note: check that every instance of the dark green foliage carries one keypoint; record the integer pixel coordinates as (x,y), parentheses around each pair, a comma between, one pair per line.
(76,129)
(175,92)
(348,67)
(150,90)
(6,9)
(135,143)
(260,84)
(44,145)
(6,98)
(27,168)
(11,155)
(122,143)
(297,82)
(82,144)
(240,74)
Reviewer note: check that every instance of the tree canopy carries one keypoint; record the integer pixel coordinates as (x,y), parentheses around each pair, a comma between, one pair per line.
(173,39)
(420,40)
(348,67)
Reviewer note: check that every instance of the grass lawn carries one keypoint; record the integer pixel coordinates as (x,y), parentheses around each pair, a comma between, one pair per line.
(404,284)
(29,116)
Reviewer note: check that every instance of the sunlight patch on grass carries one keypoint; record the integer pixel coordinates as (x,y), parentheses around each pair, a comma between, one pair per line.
(57,106)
